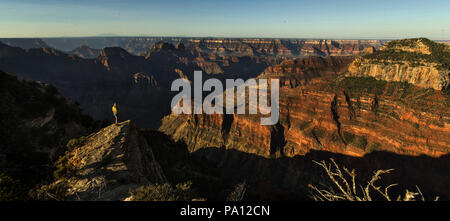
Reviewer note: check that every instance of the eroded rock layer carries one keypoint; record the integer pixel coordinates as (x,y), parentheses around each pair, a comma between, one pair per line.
(323,110)
(417,61)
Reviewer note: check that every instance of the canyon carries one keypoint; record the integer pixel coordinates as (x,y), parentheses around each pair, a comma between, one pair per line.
(377,107)
(325,107)
(118,76)
(248,46)
(328,107)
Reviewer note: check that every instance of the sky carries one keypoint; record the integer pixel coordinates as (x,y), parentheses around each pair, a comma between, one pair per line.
(374,19)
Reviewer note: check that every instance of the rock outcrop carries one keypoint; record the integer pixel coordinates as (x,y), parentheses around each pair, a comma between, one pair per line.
(417,61)
(108,164)
(84,51)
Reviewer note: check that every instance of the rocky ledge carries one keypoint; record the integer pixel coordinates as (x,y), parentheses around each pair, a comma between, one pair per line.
(106,165)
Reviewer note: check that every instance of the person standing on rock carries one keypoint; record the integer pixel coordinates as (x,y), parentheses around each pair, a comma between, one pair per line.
(114,110)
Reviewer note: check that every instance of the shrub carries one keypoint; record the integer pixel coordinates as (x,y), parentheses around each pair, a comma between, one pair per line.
(360,142)
(75,142)
(346,188)
(302,125)
(164,192)
(11,189)
(394,115)
(63,167)
(355,140)
(348,137)
(373,147)
(363,85)
(106,159)
(238,193)
(54,191)
(440,53)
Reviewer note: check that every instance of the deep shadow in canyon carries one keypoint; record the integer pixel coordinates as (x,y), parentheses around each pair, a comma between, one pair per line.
(288,178)
(215,171)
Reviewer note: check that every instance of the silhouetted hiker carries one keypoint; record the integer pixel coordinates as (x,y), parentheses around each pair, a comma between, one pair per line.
(114,110)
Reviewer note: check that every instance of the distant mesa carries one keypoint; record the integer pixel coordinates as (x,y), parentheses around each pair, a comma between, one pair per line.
(25,43)
(240,46)
(10,51)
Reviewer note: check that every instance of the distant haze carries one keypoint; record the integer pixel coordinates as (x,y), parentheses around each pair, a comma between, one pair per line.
(231,18)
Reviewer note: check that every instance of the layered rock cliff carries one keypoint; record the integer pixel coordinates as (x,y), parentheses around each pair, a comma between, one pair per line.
(418,61)
(323,110)
(362,121)
(244,132)
(239,46)
(283,47)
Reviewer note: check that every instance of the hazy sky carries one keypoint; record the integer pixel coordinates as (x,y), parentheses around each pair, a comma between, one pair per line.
(228,18)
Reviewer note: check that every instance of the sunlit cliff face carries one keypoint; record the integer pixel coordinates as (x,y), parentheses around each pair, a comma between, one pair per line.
(320,109)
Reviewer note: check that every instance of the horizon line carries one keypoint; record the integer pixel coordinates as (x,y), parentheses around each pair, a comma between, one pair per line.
(174,36)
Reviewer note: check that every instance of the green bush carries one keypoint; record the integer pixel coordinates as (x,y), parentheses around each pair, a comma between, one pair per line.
(363,85)
(107,159)
(440,53)
(302,125)
(394,115)
(11,189)
(75,142)
(63,167)
(348,137)
(238,193)
(374,147)
(50,192)
(360,142)
(164,192)
(355,140)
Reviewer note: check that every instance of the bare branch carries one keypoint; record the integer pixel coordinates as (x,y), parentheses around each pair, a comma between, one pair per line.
(346,187)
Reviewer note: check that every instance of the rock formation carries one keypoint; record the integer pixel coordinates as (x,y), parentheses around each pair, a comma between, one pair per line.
(323,113)
(136,83)
(329,107)
(418,61)
(84,51)
(321,109)
(239,46)
(25,43)
(107,164)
